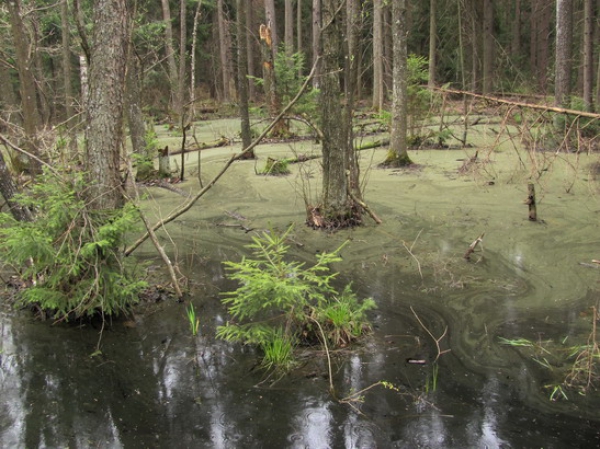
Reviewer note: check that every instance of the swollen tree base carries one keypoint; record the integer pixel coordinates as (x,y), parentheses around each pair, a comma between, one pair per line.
(395,160)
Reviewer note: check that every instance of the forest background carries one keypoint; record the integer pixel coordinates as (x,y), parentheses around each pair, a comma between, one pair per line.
(73,73)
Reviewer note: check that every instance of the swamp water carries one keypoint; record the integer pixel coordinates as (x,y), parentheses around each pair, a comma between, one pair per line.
(154,385)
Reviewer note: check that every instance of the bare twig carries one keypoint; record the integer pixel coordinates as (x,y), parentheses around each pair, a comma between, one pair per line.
(472,246)
(435,340)
(411,253)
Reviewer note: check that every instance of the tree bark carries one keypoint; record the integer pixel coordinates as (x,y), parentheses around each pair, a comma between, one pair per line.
(289,28)
(175,101)
(398,154)
(377,55)
(316,37)
(224,56)
(243,77)
(104,131)
(563,62)
(26,69)
(182,58)
(432,42)
(488,47)
(588,56)
(272,24)
(250,51)
(338,162)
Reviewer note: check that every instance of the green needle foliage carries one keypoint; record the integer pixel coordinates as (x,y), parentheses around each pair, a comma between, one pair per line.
(282,303)
(69,256)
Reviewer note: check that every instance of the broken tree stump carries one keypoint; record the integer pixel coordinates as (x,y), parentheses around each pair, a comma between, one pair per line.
(531,202)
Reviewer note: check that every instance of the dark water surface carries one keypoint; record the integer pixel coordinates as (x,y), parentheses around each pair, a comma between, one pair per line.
(154,385)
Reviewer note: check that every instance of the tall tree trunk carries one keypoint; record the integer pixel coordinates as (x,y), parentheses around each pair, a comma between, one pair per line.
(272,24)
(515,42)
(541,16)
(299,47)
(378,55)
(338,162)
(564,51)
(67,85)
(182,57)
(432,42)
(193,61)
(398,154)
(226,75)
(242,67)
(135,121)
(289,28)
(588,56)
(250,51)
(26,70)
(316,37)
(175,100)
(104,131)
(488,47)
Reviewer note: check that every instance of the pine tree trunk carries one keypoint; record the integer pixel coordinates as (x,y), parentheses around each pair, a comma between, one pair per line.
(104,131)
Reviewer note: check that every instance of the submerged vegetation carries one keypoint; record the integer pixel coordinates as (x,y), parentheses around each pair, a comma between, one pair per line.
(69,257)
(281,304)
(573,368)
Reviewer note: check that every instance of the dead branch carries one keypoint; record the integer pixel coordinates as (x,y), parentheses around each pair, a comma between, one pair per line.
(154,238)
(473,245)
(540,107)
(435,340)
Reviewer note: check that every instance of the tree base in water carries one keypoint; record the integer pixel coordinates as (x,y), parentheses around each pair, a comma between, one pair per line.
(316,218)
(393,160)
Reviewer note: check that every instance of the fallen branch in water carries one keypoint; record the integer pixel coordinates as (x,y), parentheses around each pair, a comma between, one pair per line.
(472,246)
(435,340)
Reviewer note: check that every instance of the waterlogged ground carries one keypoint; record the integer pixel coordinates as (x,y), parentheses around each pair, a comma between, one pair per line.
(154,385)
